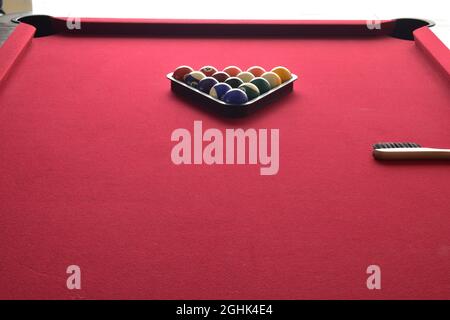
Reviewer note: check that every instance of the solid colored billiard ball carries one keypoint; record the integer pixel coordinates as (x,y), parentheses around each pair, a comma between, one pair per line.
(234,82)
(221,76)
(235,96)
(272,78)
(262,84)
(208,70)
(181,72)
(283,73)
(206,84)
(219,90)
(257,71)
(250,89)
(194,78)
(233,71)
(245,76)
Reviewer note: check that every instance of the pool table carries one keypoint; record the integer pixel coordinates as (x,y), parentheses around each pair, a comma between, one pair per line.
(87,118)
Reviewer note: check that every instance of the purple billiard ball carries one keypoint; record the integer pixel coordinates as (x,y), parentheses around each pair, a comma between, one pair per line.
(221,76)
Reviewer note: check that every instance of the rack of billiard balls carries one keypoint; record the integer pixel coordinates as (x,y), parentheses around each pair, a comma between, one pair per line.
(231,85)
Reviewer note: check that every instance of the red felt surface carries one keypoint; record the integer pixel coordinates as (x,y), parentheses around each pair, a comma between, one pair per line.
(86,176)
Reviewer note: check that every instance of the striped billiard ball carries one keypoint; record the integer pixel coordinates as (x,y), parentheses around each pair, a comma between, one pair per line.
(219,90)
(272,78)
(245,76)
(193,78)
(262,84)
(250,89)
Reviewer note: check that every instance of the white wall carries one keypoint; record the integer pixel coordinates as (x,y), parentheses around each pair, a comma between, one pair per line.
(436,10)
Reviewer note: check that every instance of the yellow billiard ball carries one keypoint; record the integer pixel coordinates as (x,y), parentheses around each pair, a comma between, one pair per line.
(283,73)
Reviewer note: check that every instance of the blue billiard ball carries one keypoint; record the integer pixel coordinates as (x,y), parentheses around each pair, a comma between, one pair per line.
(235,96)
(219,90)
(194,78)
(206,84)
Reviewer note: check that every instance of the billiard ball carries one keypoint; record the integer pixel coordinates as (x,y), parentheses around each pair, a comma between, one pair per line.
(283,73)
(245,76)
(206,84)
(233,71)
(262,84)
(272,78)
(194,78)
(257,71)
(235,96)
(219,90)
(181,72)
(208,70)
(221,76)
(234,82)
(250,89)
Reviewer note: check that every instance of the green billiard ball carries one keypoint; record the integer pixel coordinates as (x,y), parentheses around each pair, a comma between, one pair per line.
(246,76)
(250,89)
(262,84)
(272,78)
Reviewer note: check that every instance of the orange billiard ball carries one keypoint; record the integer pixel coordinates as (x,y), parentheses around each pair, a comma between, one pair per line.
(233,71)
(257,71)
